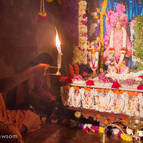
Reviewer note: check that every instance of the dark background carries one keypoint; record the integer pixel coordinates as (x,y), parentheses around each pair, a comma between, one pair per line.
(23,36)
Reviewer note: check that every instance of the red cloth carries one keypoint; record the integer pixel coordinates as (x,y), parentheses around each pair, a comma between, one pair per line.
(140,87)
(115,84)
(90,82)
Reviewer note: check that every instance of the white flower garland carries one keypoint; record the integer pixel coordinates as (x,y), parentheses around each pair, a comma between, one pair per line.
(106,102)
(82,29)
(125,76)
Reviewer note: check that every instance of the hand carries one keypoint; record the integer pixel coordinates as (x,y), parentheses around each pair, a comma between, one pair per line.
(115,64)
(61,53)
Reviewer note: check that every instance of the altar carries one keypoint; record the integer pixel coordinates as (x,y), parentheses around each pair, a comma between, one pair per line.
(102,100)
(110,87)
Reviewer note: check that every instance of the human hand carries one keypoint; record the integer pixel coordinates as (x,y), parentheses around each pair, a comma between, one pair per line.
(61,53)
(115,64)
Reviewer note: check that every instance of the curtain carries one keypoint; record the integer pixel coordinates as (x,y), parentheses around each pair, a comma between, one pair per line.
(134,7)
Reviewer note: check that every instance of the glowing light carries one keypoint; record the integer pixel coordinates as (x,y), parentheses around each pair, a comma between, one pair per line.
(58,43)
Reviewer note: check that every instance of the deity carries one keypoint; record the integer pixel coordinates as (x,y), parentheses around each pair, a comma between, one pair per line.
(116,41)
(93,53)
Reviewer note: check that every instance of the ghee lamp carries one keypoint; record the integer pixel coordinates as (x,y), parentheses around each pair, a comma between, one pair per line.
(59,57)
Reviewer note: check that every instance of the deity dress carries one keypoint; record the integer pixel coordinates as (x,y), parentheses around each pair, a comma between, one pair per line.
(118,49)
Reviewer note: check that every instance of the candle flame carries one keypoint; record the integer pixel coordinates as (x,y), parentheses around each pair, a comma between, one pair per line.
(58,43)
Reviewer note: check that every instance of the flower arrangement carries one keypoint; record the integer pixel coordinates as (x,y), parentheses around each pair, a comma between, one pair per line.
(102,30)
(115,84)
(82,24)
(87,127)
(111,19)
(115,100)
(72,75)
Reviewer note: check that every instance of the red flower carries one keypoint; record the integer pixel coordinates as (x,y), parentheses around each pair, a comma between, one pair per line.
(140,87)
(69,79)
(115,84)
(111,118)
(141,76)
(84,22)
(84,15)
(86,129)
(89,82)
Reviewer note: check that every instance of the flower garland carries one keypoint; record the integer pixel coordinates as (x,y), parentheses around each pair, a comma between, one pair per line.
(125,76)
(71,70)
(42,14)
(102,30)
(76,67)
(74,71)
(82,29)
(114,131)
(105,100)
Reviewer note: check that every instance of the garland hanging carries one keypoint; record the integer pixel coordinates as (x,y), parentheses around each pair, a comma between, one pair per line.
(82,25)
(102,30)
(42,13)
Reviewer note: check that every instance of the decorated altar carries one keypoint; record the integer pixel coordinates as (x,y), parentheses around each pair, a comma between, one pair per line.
(109,88)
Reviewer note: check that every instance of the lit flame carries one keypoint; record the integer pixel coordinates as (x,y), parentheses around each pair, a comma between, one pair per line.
(58,43)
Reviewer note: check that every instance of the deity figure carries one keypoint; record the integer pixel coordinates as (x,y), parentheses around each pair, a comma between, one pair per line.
(116,41)
(93,53)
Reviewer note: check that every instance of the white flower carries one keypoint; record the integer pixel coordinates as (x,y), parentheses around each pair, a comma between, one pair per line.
(129,131)
(140,133)
(87,125)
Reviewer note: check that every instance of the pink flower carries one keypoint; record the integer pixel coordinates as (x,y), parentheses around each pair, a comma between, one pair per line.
(130,81)
(101,75)
(103,78)
(120,8)
(90,82)
(133,22)
(84,74)
(95,128)
(110,12)
(106,43)
(78,77)
(85,34)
